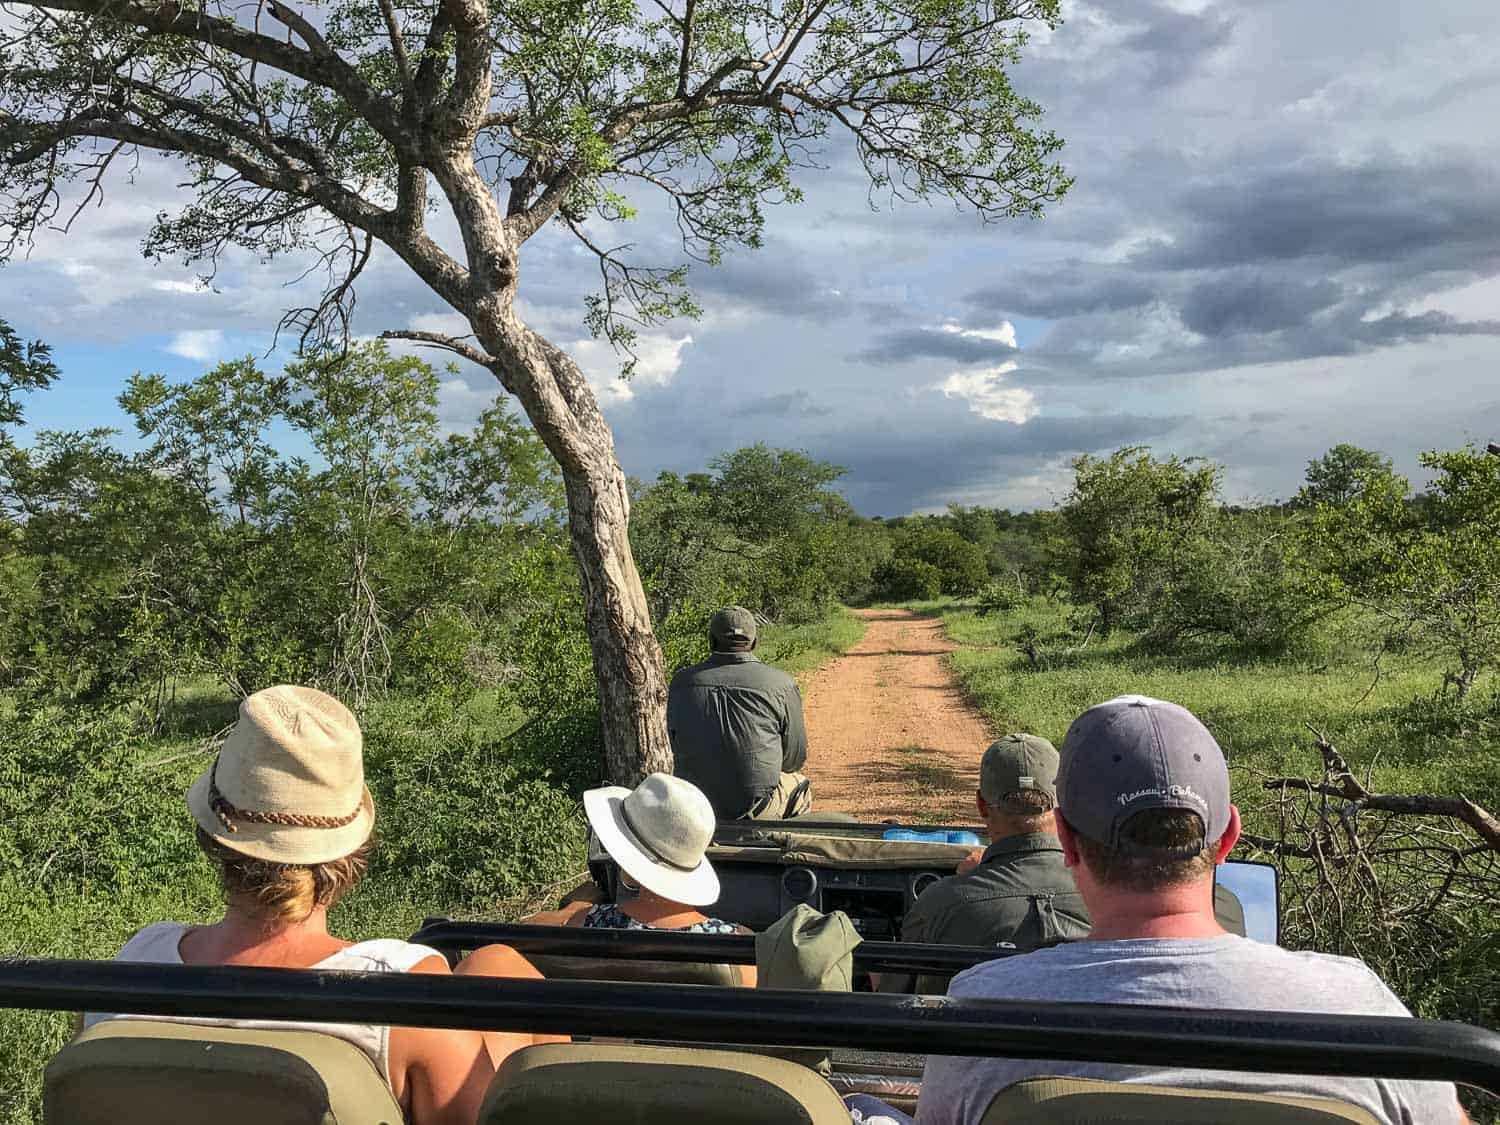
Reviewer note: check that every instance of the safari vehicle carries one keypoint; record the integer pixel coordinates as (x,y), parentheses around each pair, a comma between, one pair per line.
(669,1041)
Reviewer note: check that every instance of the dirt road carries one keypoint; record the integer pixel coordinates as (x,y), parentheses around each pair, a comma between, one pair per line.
(889,733)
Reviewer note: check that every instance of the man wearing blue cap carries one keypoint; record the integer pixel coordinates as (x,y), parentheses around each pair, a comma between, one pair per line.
(1144,817)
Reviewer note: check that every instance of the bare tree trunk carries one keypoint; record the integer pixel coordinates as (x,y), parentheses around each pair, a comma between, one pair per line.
(629,674)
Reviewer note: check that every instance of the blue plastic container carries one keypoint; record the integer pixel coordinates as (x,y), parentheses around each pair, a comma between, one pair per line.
(937,836)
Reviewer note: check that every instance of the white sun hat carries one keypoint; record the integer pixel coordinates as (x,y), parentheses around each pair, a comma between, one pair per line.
(658,833)
(288,785)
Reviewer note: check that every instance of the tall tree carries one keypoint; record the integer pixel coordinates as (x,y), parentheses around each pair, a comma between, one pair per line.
(326,128)
(1342,474)
(1125,524)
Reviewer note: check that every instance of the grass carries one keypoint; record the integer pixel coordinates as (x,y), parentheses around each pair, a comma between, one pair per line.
(803,649)
(1258,707)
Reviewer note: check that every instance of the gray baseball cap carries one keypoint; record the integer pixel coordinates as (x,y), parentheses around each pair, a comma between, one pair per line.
(1016,762)
(733,623)
(1134,753)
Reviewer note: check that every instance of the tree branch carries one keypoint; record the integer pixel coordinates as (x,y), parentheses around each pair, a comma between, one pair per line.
(319,64)
(448,343)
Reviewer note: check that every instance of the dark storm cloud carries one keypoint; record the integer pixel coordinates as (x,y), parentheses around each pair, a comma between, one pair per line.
(1429,216)
(1068,290)
(893,471)
(1172,41)
(1307,260)
(910,344)
(1229,305)
(769,281)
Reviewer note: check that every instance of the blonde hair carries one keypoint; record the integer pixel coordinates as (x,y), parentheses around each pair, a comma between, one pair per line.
(283,894)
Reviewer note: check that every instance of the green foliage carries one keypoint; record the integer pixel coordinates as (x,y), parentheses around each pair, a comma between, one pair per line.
(960,565)
(1343,474)
(766,529)
(1129,521)
(379,562)
(908,579)
(999,597)
(461,822)
(24,366)
(1429,570)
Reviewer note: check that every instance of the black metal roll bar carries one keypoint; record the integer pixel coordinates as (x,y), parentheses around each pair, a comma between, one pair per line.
(662,945)
(1271,1042)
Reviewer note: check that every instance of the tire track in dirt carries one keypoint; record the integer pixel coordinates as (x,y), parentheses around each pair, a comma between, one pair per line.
(890,735)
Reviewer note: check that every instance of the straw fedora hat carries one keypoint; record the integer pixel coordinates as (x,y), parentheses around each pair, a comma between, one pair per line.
(288,784)
(658,833)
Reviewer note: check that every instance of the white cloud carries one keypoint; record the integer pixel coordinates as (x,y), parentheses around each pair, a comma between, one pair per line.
(201,344)
(1004,334)
(987,396)
(185,287)
(658,359)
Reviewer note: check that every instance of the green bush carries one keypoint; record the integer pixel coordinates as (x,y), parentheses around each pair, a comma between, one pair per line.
(908,579)
(1000,596)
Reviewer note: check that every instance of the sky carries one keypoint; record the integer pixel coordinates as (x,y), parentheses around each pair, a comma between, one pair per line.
(1284,234)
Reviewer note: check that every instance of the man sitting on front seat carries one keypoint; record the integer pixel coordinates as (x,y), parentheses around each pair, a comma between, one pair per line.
(1019,893)
(1144,817)
(736,727)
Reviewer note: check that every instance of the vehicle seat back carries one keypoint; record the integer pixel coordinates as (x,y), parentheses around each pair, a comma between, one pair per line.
(140,1072)
(1088,1101)
(630,1085)
(568,967)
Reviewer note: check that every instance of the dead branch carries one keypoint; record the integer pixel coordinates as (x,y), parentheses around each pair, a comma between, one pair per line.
(1341,783)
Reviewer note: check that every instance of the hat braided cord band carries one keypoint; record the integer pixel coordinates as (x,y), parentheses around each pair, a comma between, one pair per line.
(640,841)
(228,813)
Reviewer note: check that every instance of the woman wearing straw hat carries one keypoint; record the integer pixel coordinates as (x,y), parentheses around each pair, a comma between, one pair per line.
(659,834)
(284,814)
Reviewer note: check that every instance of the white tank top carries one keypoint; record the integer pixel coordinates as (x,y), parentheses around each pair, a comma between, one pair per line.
(157,944)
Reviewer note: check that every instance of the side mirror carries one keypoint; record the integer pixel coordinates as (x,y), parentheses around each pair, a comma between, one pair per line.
(1257,886)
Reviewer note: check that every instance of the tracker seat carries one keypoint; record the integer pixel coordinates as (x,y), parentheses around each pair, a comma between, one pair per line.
(630,1085)
(1089,1101)
(142,1072)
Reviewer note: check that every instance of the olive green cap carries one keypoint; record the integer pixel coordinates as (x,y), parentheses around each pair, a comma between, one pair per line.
(1016,762)
(732,624)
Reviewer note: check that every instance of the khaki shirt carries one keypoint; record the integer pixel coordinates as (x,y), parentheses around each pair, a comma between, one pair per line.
(736,726)
(1020,896)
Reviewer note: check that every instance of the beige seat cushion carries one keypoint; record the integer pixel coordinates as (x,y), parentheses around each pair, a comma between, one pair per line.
(1087,1101)
(560,1084)
(566,967)
(139,1072)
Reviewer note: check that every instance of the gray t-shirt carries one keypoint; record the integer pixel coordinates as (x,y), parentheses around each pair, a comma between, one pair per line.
(1217,972)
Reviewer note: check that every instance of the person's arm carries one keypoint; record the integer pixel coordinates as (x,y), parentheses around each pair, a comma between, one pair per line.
(793,734)
(439,1076)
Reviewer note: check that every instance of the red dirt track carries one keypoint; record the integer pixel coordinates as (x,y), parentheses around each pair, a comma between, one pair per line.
(890,735)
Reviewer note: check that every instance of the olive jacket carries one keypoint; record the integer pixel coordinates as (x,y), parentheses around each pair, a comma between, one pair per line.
(736,726)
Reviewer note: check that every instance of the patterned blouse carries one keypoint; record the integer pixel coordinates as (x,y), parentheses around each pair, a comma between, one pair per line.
(608,916)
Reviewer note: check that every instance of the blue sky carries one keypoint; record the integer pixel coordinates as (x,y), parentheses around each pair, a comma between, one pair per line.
(1285,233)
